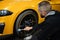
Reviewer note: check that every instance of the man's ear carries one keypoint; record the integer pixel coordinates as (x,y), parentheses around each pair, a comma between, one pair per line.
(42,16)
(38,9)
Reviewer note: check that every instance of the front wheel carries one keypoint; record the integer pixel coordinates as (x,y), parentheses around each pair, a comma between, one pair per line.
(27,16)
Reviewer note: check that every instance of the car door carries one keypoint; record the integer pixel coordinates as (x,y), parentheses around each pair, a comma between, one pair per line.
(55,4)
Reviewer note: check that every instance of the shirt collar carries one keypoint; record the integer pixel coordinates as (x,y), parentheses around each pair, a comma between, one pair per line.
(50,13)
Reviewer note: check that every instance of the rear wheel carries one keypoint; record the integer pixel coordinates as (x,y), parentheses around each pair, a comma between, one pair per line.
(27,16)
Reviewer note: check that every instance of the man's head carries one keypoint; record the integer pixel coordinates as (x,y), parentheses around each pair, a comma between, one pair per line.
(44,7)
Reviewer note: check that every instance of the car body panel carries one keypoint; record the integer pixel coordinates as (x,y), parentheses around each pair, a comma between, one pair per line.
(17,7)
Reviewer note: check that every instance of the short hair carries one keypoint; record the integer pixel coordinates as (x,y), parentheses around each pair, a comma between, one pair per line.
(46,4)
(43,3)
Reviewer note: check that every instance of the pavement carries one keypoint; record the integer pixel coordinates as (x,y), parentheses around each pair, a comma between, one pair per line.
(11,38)
(16,38)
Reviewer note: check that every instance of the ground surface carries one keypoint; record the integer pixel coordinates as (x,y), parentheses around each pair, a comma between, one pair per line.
(11,38)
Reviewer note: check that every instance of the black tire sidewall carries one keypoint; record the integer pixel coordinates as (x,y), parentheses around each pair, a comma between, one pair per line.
(20,17)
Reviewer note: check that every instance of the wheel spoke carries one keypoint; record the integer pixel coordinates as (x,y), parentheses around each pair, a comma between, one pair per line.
(30,20)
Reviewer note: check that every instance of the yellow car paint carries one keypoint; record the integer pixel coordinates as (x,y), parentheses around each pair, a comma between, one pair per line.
(18,6)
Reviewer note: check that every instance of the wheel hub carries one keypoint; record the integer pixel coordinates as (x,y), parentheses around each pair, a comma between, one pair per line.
(27,20)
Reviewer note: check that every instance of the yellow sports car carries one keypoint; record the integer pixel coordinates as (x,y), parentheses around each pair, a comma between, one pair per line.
(14,14)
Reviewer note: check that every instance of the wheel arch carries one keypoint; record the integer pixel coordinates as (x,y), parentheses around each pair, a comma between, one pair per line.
(22,12)
(28,10)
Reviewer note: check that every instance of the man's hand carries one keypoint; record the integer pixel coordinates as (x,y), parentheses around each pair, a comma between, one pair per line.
(28,28)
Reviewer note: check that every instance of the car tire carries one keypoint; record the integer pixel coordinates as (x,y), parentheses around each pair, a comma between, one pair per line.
(20,18)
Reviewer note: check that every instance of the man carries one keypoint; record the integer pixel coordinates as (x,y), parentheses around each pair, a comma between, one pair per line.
(50,28)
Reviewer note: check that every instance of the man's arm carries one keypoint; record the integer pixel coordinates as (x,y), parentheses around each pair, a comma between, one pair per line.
(47,29)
